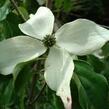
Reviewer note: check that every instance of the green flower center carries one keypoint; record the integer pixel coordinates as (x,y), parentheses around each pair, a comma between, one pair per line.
(49,41)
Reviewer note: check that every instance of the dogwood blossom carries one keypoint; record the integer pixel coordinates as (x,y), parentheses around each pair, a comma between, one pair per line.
(80,37)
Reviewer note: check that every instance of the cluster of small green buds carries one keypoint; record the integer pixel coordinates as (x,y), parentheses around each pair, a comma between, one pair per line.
(49,41)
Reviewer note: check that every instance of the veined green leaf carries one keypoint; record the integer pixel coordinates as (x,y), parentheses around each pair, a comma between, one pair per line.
(92,87)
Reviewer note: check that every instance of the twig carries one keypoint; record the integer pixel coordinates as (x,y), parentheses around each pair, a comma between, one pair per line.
(37,97)
(31,93)
(36,67)
(17,9)
(49,3)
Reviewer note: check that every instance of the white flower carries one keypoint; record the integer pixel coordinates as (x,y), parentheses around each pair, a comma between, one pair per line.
(79,37)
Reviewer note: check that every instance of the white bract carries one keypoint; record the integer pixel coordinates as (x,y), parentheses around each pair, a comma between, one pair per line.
(79,37)
(41,2)
(99,54)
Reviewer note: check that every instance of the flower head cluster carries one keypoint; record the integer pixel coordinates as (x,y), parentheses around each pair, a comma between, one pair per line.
(80,37)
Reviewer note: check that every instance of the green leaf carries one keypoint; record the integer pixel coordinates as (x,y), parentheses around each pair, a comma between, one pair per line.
(49,100)
(58,3)
(74,91)
(13,20)
(23,78)
(66,5)
(9,26)
(92,87)
(5,30)
(21,84)
(97,64)
(4,10)
(106,69)
(23,11)
(6,89)
(106,49)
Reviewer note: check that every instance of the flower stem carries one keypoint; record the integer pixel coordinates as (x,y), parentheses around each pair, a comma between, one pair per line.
(17,9)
